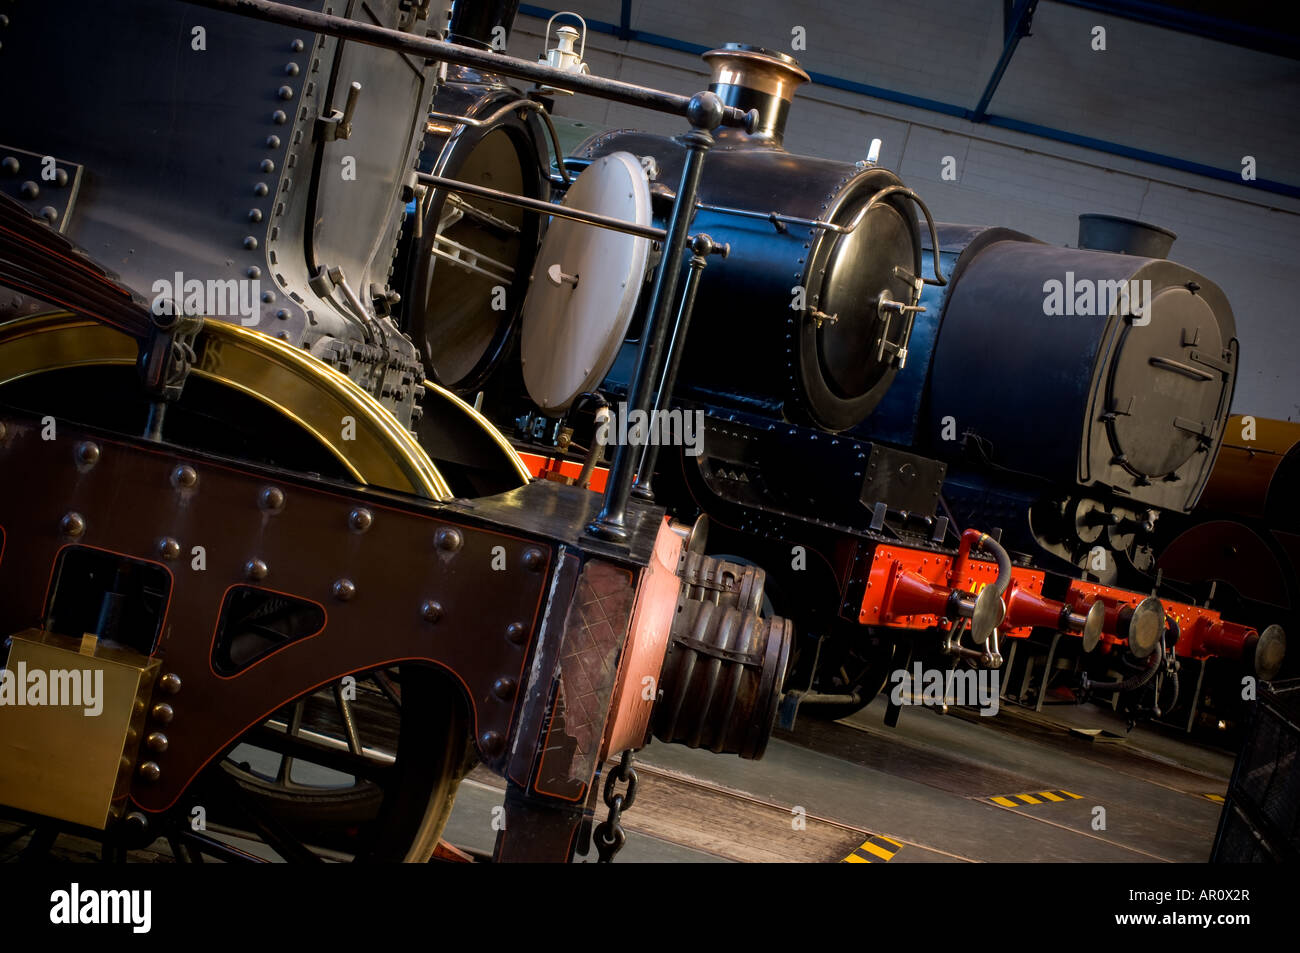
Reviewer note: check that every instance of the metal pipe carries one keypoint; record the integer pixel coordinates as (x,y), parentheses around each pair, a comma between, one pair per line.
(595,450)
(431,49)
(538,205)
(706,108)
(701,246)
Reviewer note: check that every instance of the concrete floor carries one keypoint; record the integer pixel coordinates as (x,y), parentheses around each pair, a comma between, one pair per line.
(922,792)
(928,785)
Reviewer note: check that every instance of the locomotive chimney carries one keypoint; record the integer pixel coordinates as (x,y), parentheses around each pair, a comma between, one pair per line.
(750,77)
(472,21)
(1124,235)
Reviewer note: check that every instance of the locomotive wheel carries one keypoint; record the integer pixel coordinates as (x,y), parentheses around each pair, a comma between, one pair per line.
(64,365)
(285,784)
(258,399)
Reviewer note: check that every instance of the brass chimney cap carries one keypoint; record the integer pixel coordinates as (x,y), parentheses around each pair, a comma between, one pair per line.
(766,71)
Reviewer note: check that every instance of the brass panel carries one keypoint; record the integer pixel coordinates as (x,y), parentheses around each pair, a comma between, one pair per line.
(71,761)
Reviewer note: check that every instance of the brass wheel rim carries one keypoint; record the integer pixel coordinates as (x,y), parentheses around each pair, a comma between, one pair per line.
(375,450)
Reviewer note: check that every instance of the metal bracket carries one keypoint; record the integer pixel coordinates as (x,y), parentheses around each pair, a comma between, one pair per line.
(886,307)
(338,125)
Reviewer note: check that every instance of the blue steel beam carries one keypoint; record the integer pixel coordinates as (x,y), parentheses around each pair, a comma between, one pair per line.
(1017,26)
(960,112)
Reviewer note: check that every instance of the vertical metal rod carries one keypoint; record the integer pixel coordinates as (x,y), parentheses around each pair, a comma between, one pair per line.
(704,114)
(701,246)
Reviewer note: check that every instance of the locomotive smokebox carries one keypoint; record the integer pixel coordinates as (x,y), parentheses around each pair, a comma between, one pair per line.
(1114,371)
(1127,236)
(809,316)
(751,77)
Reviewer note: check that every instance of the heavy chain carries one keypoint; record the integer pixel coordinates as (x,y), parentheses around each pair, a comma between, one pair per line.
(609,834)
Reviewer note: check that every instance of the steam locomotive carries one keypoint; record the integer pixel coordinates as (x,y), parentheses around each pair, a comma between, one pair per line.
(307,587)
(865,388)
(241,485)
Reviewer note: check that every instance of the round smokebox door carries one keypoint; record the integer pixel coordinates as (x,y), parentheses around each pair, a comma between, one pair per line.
(1166,383)
(585,284)
(850,355)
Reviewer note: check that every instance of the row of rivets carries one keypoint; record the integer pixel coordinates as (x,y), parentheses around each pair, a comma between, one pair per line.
(163,713)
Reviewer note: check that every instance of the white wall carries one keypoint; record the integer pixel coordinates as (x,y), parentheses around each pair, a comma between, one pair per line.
(1151,89)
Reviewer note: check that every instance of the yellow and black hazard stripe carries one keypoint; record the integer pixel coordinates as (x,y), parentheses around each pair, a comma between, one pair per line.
(1033,797)
(874,850)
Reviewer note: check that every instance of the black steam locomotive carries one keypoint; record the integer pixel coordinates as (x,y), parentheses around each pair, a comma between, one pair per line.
(315,586)
(867,386)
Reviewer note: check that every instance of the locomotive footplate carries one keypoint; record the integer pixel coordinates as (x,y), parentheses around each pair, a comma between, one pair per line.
(181,563)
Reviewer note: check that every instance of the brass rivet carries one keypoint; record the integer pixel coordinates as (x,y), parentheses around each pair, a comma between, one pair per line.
(87,453)
(344,589)
(271,499)
(360,519)
(515,633)
(184,477)
(169,548)
(162,713)
(431,611)
(256,570)
(73,524)
(448,539)
(150,771)
(533,559)
(491,742)
(156,741)
(503,688)
(170,683)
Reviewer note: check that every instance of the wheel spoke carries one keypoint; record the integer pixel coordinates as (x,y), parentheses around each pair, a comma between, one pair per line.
(295,724)
(291,747)
(349,722)
(386,686)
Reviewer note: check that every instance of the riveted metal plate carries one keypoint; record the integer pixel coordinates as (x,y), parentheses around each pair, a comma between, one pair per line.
(128,502)
(40,182)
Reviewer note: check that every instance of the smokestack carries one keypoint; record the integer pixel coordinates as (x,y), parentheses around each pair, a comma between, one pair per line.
(1124,235)
(750,77)
(472,21)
